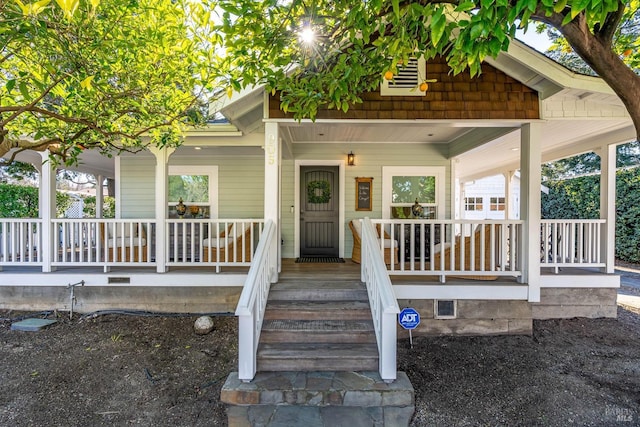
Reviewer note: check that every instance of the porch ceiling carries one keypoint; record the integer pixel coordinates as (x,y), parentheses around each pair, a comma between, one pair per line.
(90,161)
(363,132)
(480,148)
(560,139)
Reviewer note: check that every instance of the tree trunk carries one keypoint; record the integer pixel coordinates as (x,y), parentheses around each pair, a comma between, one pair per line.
(111,187)
(599,55)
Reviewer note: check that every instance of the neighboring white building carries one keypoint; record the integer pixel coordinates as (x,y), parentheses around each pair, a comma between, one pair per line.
(485,199)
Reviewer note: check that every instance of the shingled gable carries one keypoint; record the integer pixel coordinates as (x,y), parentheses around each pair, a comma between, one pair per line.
(492,95)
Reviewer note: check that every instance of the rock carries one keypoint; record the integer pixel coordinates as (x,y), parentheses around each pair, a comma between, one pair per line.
(203,325)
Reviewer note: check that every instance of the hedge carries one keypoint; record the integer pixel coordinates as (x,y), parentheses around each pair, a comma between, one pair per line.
(580,198)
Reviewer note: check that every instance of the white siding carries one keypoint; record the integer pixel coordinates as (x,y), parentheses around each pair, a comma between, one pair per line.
(137,185)
(240,182)
(370,158)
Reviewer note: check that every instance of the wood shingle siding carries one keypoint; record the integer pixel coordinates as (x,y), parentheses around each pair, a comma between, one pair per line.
(492,95)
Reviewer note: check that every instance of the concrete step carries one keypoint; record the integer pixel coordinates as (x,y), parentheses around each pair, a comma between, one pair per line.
(317,357)
(318,310)
(317,331)
(319,399)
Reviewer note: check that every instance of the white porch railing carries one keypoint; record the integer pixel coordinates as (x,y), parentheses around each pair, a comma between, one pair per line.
(20,241)
(483,248)
(571,243)
(384,305)
(129,242)
(104,242)
(252,303)
(212,242)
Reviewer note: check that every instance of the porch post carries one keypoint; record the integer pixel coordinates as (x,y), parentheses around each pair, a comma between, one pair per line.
(455,184)
(508,194)
(272,153)
(47,210)
(608,206)
(162,171)
(530,181)
(99,196)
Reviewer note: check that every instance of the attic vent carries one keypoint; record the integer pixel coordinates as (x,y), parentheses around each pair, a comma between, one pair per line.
(406,81)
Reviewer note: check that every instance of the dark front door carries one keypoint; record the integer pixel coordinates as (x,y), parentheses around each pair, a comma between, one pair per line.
(319,216)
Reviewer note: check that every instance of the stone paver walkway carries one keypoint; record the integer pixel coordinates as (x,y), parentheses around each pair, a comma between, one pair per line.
(310,399)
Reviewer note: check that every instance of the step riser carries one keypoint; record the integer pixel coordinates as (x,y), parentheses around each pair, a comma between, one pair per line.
(318,295)
(302,314)
(363,337)
(339,364)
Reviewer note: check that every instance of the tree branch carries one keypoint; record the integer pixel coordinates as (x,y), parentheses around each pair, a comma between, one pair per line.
(31,106)
(606,32)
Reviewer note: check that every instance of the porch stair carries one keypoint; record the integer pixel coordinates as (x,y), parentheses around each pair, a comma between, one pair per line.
(317,363)
(318,325)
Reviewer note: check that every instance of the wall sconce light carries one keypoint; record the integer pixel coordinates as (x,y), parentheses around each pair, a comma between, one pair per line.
(351,159)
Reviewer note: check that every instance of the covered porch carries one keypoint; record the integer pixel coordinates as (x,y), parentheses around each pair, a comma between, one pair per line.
(269,174)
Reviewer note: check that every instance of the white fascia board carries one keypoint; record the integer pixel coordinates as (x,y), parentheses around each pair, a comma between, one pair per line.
(215,140)
(477,138)
(461,292)
(533,60)
(225,103)
(226,129)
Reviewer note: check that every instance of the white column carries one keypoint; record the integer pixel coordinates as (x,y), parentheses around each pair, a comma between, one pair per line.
(508,194)
(99,196)
(608,206)
(47,209)
(162,171)
(272,152)
(455,204)
(462,194)
(118,189)
(530,181)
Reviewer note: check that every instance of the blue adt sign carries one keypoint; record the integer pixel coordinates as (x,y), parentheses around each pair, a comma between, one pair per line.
(409,318)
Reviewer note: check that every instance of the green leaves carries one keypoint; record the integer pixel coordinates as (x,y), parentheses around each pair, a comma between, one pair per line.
(69,7)
(99,74)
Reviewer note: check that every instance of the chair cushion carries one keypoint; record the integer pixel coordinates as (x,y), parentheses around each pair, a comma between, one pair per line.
(357,225)
(388,243)
(440,247)
(119,242)
(213,243)
(119,230)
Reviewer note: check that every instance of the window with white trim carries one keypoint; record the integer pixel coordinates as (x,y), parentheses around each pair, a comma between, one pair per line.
(473,204)
(497,204)
(197,187)
(402,186)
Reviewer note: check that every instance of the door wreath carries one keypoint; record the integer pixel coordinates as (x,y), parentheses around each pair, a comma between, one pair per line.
(318,192)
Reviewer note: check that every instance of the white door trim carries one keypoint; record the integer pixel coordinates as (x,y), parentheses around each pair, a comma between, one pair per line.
(296,201)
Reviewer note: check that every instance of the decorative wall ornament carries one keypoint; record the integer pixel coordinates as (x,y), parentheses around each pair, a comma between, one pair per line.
(417,210)
(181,208)
(319,191)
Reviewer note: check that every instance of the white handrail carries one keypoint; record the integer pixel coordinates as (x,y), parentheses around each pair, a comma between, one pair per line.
(20,241)
(451,247)
(252,303)
(384,305)
(571,243)
(218,242)
(103,241)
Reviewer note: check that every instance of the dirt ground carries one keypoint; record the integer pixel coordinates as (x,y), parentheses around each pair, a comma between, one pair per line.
(131,370)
